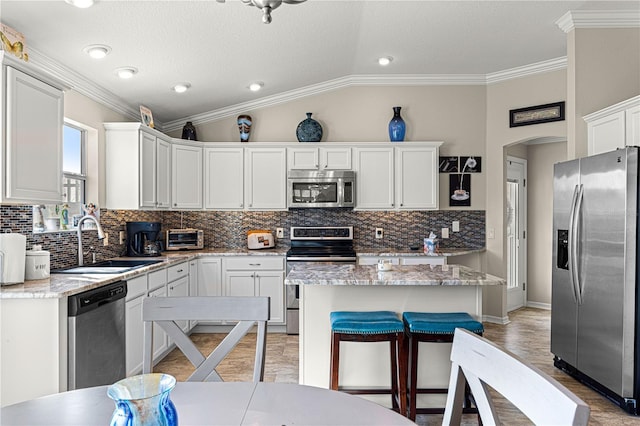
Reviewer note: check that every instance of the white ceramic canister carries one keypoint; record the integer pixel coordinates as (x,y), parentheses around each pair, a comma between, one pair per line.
(12,258)
(37,265)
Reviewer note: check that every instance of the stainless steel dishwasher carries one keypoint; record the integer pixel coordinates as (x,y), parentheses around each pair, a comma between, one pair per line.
(96,336)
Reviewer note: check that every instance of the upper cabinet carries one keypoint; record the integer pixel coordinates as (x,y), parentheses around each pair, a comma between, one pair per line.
(32,121)
(186,178)
(399,177)
(138,172)
(265,179)
(321,158)
(614,127)
(224,178)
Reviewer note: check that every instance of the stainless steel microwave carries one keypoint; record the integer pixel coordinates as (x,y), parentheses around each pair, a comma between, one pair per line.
(321,189)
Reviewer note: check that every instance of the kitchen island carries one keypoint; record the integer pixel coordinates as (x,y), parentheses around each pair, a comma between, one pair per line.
(424,288)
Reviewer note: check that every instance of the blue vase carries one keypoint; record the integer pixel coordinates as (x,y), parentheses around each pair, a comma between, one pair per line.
(309,130)
(397,126)
(143,400)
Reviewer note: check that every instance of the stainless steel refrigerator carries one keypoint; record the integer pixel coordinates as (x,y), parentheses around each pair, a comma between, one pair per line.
(594,316)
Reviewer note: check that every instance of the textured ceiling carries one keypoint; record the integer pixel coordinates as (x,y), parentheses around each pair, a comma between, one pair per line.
(219,48)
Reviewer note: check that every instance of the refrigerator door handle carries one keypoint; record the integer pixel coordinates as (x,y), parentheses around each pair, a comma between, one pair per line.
(574,239)
(572,249)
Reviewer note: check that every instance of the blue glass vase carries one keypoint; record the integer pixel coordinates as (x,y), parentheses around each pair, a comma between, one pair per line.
(143,400)
(397,127)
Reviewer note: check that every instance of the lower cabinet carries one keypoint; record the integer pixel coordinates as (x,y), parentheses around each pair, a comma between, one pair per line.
(178,285)
(160,340)
(209,281)
(257,276)
(134,329)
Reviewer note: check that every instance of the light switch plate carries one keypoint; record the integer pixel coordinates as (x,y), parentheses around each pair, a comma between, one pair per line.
(445,232)
(455,226)
(105,240)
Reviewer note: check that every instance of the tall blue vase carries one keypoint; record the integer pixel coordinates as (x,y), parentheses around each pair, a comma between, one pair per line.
(143,400)
(397,127)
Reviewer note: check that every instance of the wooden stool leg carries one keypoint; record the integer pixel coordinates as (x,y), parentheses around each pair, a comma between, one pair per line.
(413,384)
(335,361)
(402,375)
(394,374)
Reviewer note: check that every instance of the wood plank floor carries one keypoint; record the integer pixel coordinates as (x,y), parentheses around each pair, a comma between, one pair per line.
(527,335)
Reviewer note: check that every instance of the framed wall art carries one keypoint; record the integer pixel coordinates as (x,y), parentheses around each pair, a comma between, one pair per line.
(460,190)
(147,117)
(536,114)
(448,164)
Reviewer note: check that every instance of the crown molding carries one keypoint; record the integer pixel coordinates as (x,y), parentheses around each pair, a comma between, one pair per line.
(327,86)
(518,72)
(599,19)
(95,92)
(82,85)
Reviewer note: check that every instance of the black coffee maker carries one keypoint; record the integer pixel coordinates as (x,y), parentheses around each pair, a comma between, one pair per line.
(144,239)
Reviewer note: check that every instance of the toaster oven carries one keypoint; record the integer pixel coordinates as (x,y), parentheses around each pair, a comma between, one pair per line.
(185,239)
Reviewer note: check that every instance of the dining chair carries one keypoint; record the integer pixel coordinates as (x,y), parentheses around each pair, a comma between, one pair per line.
(247,311)
(486,366)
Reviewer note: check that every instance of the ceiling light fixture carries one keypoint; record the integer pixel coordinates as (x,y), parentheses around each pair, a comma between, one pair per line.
(82,4)
(254,87)
(385,60)
(181,87)
(126,72)
(97,51)
(267,6)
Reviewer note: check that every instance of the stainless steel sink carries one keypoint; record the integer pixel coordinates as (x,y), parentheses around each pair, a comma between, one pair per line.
(117,266)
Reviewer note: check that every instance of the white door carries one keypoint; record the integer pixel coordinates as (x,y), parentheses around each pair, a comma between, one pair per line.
(516,233)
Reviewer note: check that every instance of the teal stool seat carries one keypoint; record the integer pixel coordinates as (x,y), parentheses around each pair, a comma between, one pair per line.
(370,322)
(441,323)
(372,326)
(433,327)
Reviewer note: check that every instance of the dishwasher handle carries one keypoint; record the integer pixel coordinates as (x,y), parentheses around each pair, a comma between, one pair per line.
(87,301)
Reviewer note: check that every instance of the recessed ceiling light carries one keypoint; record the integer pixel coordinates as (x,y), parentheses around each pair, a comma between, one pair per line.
(126,72)
(385,60)
(97,51)
(82,4)
(254,87)
(181,87)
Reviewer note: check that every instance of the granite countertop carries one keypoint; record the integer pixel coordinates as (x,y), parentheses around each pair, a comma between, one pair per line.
(405,275)
(408,252)
(63,285)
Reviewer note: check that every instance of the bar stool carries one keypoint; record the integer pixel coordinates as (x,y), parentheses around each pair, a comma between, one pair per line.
(372,326)
(434,328)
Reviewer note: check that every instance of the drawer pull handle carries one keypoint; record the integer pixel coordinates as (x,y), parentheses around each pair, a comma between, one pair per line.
(254,264)
(179,270)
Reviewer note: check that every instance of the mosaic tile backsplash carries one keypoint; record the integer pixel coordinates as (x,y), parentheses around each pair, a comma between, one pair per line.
(229,229)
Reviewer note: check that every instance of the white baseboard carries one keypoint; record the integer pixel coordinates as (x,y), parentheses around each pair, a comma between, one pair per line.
(539,305)
(495,320)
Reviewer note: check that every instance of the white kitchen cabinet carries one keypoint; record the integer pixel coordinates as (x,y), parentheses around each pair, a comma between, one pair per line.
(186,176)
(224,178)
(134,327)
(266,179)
(31,159)
(138,167)
(397,177)
(160,339)
(321,158)
(257,276)
(416,172)
(374,178)
(193,285)
(178,286)
(614,127)
(209,276)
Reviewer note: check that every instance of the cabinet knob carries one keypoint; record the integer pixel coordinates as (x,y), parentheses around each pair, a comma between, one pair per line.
(240,204)
(175,204)
(180,270)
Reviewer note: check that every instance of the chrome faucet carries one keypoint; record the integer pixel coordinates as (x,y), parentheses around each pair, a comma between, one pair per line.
(100,235)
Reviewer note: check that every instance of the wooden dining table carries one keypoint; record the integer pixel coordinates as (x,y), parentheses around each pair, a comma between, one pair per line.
(213,403)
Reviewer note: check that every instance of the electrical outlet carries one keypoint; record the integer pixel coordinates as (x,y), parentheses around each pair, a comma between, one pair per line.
(279,232)
(121,237)
(105,240)
(379,232)
(445,233)
(455,226)
(491,233)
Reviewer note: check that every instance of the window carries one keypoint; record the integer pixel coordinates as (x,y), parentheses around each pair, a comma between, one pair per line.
(74,164)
